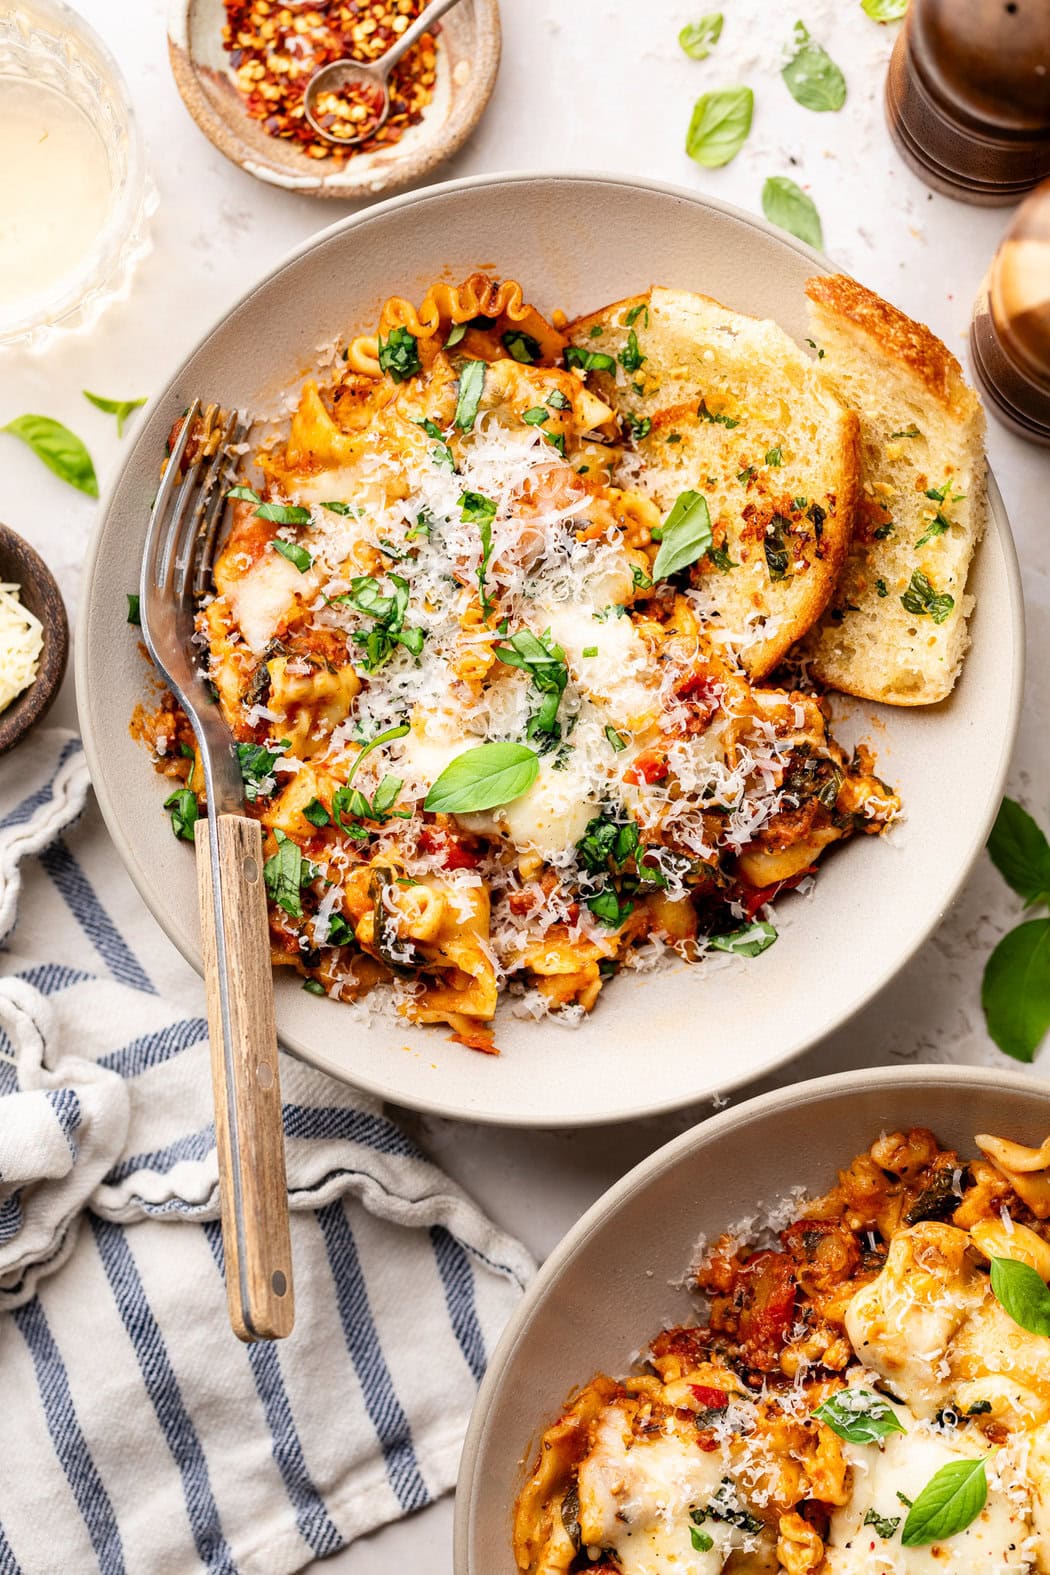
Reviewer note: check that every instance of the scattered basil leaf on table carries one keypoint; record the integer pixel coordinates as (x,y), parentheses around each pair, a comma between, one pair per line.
(1020,852)
(684,536)
(719,126)
(1015,991)
(483,777)
(471,383)
(884,10)
(951,1500)
(813,79)
(859,1416)
(294,554)
(698,38)
(121,408)
(61,450)
(787,205)
(1022,1292)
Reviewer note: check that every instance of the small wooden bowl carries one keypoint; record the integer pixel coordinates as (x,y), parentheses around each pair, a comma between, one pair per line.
(40,595)
(468,59)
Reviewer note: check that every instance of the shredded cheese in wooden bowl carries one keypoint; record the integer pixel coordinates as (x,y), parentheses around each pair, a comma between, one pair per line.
(21,644)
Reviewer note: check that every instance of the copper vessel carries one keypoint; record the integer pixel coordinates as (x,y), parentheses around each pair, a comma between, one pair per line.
(968,96)
(1010,330)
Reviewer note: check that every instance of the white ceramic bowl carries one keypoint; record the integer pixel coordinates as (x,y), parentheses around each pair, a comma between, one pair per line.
(659,1040)
(616,1279)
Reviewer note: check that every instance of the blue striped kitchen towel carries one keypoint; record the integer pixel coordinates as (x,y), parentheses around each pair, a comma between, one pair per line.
(137,1434)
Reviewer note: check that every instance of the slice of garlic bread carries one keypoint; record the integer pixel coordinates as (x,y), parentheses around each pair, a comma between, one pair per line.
(728,406)
(896,630)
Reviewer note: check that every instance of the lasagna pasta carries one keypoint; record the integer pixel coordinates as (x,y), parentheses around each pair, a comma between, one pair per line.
(860,1398)
(452,552)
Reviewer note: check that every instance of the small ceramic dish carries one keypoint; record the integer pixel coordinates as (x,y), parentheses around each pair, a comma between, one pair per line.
(468,59)
(40,595)
(618,1277)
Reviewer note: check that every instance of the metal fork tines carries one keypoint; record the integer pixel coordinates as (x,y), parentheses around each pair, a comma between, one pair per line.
(177,568)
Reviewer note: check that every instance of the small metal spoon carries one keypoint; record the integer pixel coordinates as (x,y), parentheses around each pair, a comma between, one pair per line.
(370,76)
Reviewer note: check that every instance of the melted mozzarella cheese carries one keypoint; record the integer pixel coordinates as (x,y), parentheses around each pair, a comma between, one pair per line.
(261,598)
(902,1324)
(619,675)
(636,1495)
(991,1543)
(551,817)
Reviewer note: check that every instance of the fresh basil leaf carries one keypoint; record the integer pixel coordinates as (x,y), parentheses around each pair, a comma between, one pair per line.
(719,126)
(399,354)
(1015,991)
(858,1415)
(685,535)
(921,600)
(536,416)
(1020,852)
(750,941)
(813,79)
(521,346)
(589,360)
(471,384)
(884,10)
(121,408)
(248,494)
(787,205)
(482,778)
(1022,1292)
(698,38)
(295,554)
(951,1500)
(183,806)
(283,513)
(134,615)
(61,450)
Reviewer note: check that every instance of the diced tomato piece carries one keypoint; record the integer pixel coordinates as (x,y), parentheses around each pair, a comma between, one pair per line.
(710,1399)
(753,898)
(648,768)
(769,1307)
(454,855)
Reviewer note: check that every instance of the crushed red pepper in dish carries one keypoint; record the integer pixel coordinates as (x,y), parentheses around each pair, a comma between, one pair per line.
(275,49)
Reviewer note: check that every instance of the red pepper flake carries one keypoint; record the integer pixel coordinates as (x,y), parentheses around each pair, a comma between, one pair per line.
(275,49)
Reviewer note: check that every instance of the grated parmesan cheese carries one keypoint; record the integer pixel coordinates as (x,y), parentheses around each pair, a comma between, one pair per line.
(21,642)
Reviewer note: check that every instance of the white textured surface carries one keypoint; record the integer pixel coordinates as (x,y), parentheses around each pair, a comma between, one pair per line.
(599,85)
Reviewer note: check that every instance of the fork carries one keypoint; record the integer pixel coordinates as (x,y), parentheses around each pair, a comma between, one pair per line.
(176,570)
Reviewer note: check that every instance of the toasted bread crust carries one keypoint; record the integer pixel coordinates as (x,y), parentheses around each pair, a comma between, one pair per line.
(896,337)
(600,318)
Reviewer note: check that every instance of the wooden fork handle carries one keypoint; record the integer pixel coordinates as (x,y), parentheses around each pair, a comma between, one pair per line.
(249,1134)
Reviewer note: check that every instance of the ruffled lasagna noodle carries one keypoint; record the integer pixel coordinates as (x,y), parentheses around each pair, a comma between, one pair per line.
(857,1401)
(446,551)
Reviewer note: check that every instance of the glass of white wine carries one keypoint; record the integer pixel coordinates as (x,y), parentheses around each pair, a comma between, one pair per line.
(75,196)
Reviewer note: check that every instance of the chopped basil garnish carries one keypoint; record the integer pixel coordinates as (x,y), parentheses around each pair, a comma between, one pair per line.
(479,510)
(951,1500)
(859,1416)
(455,334)
(286,872)
(719,126)
(316,813)
(589,360)
(638,426)
(295,554)
(616,739)
(544,661)
(775,457)
(921,600)
(482,778)
(724,1505)
(722,420)
(778,553)
(536,416)
(609,908)
(441,454)
(366,596)
(605,839)
(183,806)
(399,354)
(521,346)
(349,804)
(471,384)
(750,941)
(885,1525)
(557,400)
(684,536)
(906,432)
(134,615)
(631,316)
(256,763)
(720,558)
(702,1541)
(314,987)
(813,79)
(630,357)
(639,579)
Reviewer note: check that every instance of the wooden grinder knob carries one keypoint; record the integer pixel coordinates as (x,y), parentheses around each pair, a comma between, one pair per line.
(1010,331)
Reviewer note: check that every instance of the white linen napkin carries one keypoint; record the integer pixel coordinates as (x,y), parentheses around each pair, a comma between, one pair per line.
(138,1434)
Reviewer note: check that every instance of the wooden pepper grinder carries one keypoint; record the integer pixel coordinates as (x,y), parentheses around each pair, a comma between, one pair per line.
(968,96)
(1010,330)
